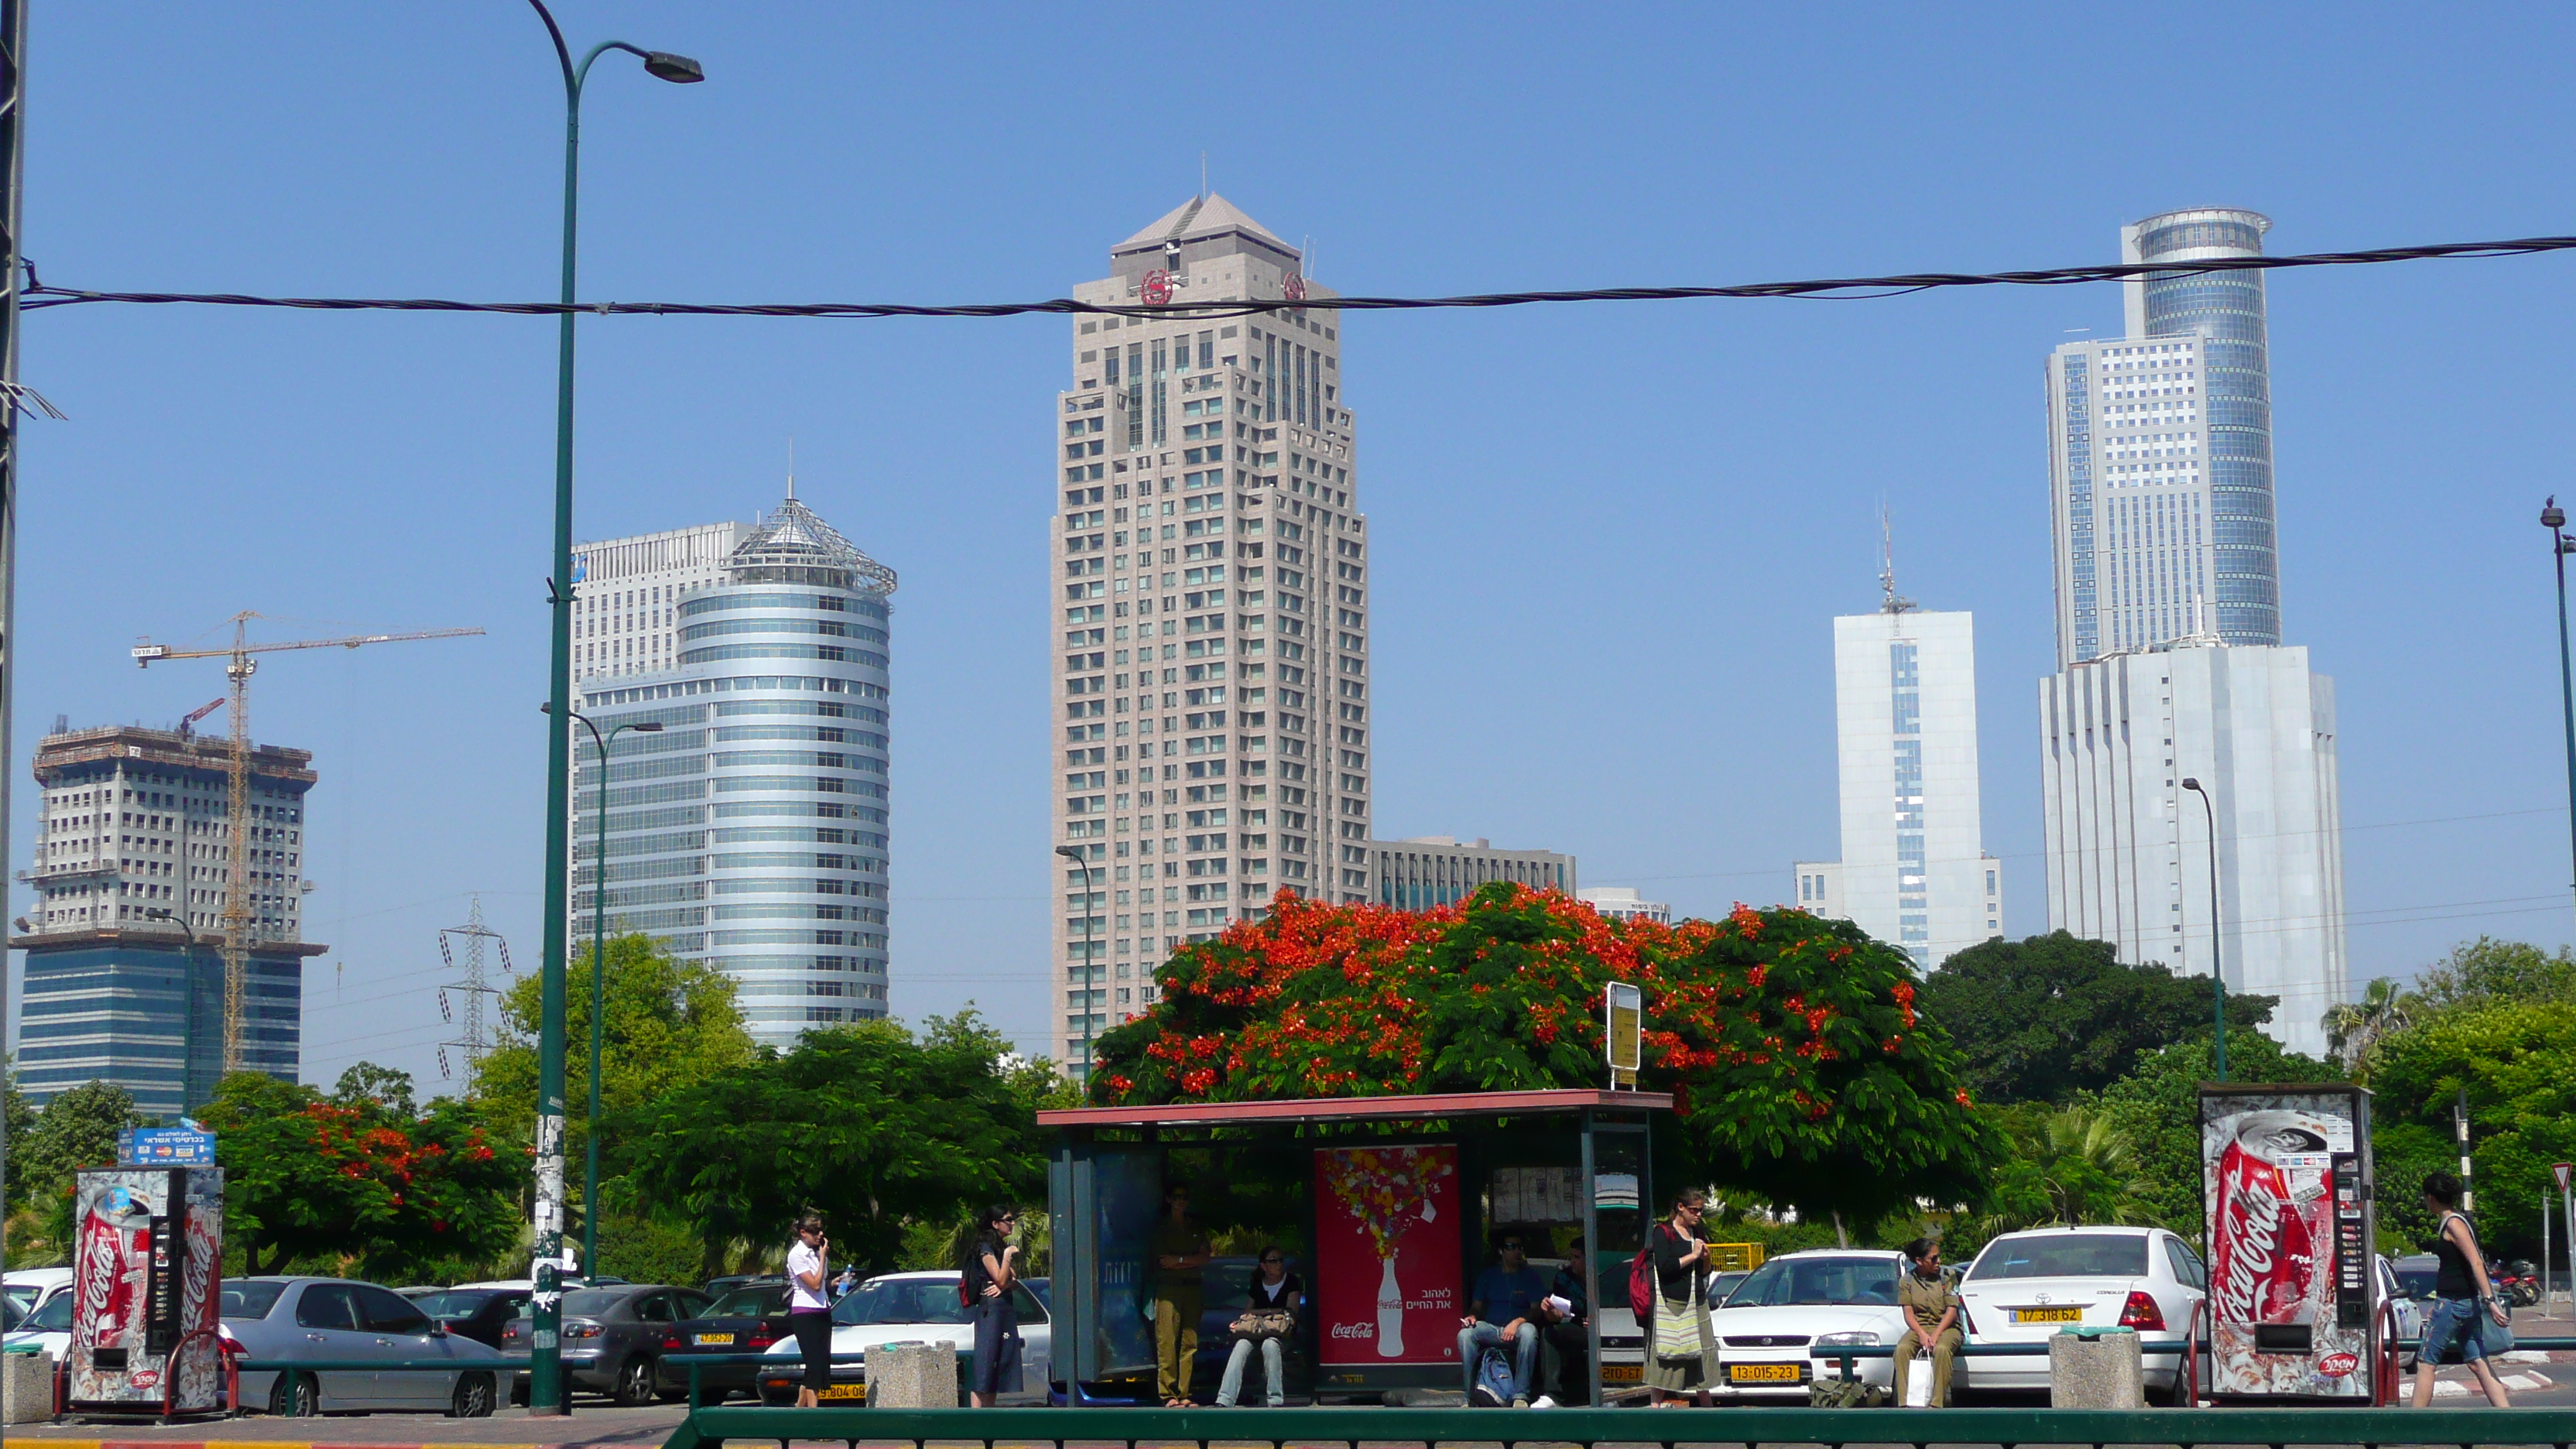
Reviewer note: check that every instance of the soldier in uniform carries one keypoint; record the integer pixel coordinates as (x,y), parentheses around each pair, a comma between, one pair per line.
(1931,1308)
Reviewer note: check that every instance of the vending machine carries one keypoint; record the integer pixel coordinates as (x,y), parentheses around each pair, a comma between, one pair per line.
(147,1266)
(2287,1184)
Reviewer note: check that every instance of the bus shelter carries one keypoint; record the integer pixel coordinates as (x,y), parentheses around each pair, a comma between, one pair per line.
(1387,1208)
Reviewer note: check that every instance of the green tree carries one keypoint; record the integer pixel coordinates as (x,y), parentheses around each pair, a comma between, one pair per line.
(76,1129)
(2070,1165)
(2487,970)
(22,1122)
(381,1089)
(2156,1108)
(2355,1030)
(2517,1059)
(2042,1019)
(869,1124)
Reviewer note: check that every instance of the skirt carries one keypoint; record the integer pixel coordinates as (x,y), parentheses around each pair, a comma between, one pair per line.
(813,1330)
(1679,1353)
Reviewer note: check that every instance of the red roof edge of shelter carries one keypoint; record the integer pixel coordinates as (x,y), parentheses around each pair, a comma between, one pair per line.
(1353,1109)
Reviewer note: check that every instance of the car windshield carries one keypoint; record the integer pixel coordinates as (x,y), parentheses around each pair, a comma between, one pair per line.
(21,1294)
(1784,1281)
(452,1305)
(901,1300)
(249,1299)
(751,1303)
(1721,1284)
(2064,1255)
(54,1317)
(592,1302)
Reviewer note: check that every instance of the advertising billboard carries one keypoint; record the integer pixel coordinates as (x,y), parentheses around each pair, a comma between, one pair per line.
(2286,1180)
(1387,1255)
(146,1277)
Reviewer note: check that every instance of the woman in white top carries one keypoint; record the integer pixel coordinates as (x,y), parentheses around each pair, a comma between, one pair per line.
(809,1306)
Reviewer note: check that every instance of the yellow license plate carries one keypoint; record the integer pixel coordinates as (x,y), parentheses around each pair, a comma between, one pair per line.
(844,1393)
(1765,1373)
(1622,1373)
(715,1338)
(2048,1315)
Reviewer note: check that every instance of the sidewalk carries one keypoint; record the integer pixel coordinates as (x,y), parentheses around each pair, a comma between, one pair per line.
(603,1426)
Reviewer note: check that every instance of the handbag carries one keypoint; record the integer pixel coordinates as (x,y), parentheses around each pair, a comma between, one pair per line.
(1254,1324)
(2495,1338)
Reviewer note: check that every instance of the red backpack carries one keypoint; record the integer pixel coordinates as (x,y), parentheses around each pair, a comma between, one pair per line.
(1641,1279)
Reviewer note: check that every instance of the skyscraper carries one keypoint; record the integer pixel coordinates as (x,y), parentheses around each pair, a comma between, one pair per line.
(1211,709)
(750,831)
(2169,644)
(1914,871)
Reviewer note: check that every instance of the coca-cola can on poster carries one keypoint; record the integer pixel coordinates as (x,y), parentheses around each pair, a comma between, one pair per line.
(2286,1183)
(146,1273)
(1387,1287)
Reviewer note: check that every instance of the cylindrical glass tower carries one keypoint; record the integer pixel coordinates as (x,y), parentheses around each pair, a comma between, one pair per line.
(2225,309)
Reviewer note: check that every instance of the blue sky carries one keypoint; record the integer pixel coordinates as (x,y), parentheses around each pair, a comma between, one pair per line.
(1609,539)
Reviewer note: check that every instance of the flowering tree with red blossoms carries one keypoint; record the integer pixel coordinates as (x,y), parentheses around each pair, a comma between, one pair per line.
(1800,1070)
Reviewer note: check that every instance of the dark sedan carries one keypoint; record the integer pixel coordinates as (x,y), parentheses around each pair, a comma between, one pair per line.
(746,1320)
(476,1313)
(611,1337)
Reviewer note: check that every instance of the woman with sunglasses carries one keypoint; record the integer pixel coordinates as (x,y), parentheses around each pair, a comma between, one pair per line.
(809,1307)
(1680,1359)
(992,1270)
(1275,1290)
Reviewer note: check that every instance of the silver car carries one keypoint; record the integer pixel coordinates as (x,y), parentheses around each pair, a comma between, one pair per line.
(332,1320)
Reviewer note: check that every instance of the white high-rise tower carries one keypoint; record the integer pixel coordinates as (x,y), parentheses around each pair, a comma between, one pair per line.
(1210,571)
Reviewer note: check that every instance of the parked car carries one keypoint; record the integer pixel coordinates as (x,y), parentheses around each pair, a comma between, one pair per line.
(2406,1312)
(747,1320)
(2025,1286)
(905,1306)
(611,1337)
(2416,1274)
(1721,1284)
(335,1320)
(477,1313)
(719,1287)
(1774,1330)
(26,1290)
(48,1329)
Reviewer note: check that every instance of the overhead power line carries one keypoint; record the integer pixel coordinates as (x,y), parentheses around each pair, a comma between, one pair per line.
(37,296)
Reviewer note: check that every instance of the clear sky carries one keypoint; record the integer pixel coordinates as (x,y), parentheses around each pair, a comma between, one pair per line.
(1609,539)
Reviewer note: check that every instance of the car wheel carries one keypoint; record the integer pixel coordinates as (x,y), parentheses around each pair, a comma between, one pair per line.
(295,1396)
(473,1397)
(634,1382)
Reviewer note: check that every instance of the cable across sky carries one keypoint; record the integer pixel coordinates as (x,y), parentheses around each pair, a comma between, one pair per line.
(37,296)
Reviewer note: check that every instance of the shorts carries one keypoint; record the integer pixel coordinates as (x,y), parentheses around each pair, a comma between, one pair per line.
(2452,1319)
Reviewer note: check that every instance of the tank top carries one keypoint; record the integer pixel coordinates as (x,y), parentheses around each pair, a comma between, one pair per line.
(2454,1280)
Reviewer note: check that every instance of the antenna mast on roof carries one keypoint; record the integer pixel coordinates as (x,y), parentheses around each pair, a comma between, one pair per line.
(791,467)
(1890,603)
(1203,191)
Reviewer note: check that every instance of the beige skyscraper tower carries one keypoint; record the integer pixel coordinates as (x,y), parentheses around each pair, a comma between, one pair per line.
(1211,721)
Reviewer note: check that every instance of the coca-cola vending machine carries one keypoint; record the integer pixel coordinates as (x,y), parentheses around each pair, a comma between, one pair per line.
(2287,1184)
(147,1265)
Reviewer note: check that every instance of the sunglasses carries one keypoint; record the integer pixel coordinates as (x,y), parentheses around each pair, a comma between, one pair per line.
(1272,1262)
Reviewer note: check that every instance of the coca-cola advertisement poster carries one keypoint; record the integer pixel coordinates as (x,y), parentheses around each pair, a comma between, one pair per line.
(2286,1182)
(1387,1267)
(146,1273)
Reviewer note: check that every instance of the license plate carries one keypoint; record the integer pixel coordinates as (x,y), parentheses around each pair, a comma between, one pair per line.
(1623,1373)
(844,1393)
(715,1338)
(2048,1315)
(1766,1373)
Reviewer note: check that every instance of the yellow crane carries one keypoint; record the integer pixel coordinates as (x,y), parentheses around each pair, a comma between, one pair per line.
(237,669)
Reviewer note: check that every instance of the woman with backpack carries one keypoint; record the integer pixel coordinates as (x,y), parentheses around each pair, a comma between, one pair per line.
(989,1273)
(2463,1295)
(1680,1358)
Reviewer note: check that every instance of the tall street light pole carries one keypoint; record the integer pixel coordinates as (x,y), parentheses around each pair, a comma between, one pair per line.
(548,1393)
(599,986)
(2554,518)
(187,973)
(1074,853)
(2217,968)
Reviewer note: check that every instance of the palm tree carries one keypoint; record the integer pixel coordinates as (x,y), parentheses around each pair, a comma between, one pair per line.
(2356,1029)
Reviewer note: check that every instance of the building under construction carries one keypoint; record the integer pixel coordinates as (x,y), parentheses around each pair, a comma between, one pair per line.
(125,974)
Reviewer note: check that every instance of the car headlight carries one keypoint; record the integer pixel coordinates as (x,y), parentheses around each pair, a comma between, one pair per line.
(1862,1338)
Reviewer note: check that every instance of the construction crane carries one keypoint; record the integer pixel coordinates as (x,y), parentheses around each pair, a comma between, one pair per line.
(237,669)
(188,722)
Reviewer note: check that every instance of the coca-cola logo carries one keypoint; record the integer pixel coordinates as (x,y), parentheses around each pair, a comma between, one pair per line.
(2251,1234)
(101,1264)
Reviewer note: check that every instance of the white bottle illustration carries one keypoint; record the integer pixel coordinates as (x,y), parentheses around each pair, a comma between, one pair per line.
(1390,1312)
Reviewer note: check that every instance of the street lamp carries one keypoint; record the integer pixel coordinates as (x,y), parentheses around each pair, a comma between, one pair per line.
(1074,853)
(548,1393)
(599,986)
(2554,518)
(187,973)
(2217,969)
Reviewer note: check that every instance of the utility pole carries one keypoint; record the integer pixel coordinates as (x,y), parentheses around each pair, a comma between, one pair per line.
(2460,1128)
(13,161)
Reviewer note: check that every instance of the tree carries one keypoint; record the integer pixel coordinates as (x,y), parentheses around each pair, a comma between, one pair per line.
(1799,1067)
(2355,1030)
(308,1177)
(2517,1060)
(76,1129)
(22,1122)
(2071,1165)
(866,1123)
(2044,1018)
(2488,970)
(380,1089)
(2157,1109)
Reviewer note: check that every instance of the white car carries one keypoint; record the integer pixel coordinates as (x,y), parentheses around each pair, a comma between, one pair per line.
(2024,1287)
(28,1289)
(2405,1311)
(906,1308)
(48,1329)
(1775,1333)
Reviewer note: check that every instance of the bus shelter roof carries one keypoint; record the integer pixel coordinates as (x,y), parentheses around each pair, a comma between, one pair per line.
(1359,1109)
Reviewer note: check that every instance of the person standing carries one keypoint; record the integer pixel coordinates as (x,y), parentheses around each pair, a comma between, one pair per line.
(991,1271)
(1180,1251)
(1680,1358)
(1504,1314)
(2461,1288)
(1931,1308)
(1276,1293)
(809,1306)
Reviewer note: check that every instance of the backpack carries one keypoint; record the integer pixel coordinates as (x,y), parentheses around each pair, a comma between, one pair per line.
(1641,1279)
(1494,1387)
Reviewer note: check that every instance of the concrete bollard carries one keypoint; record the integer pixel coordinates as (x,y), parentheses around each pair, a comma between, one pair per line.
(912,1375)
(2097,1369)
(26,1388)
